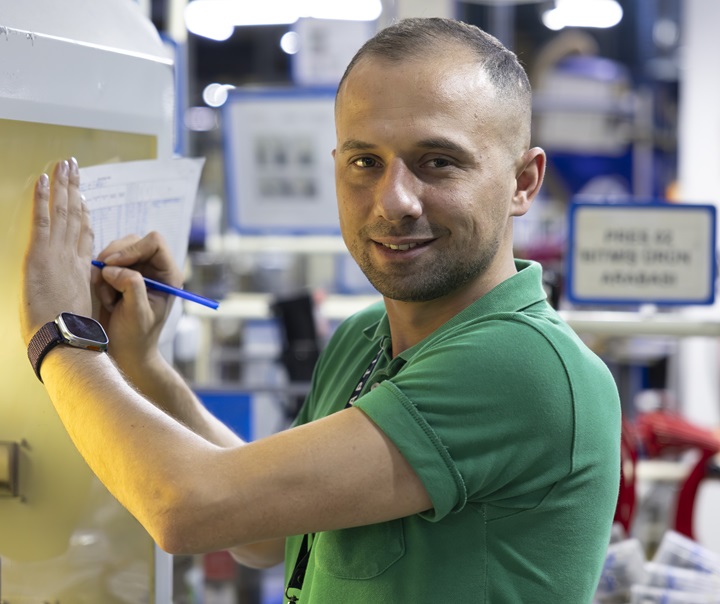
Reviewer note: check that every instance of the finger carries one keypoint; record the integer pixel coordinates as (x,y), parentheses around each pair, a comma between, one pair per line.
(142,250)
(86,238)
(104,292)
(59,201)
(116,247)
(151,251)
(41,209)
(107,294)
(74,205)
(132,287)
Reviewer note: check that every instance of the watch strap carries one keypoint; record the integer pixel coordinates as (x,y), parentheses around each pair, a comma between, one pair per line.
(44,340)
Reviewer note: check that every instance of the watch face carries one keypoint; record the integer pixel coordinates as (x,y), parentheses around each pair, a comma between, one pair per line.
(81,331)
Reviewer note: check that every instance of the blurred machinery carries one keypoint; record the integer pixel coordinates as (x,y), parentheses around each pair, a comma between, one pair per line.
(657,435)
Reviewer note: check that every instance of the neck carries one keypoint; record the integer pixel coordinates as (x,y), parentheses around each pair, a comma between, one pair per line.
(412,322)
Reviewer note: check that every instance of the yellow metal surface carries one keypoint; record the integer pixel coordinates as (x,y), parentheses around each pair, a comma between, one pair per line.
(64,537)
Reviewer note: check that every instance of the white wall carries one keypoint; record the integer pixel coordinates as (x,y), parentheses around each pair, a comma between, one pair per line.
(699,162)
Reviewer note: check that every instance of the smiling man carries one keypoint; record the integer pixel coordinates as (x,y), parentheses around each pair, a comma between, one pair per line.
(459,444)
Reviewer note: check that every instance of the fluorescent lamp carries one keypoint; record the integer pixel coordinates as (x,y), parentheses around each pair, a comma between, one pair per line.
(583,13)
(216,19)
(340,10)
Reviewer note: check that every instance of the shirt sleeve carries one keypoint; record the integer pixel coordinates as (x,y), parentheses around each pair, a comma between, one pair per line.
(485,413)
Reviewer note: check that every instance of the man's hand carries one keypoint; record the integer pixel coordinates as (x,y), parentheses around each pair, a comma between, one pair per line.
(132,315)
(56,275)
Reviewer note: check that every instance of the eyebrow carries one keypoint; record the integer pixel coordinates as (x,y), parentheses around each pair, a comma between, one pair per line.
(439,143)
(354,144)
(442,143)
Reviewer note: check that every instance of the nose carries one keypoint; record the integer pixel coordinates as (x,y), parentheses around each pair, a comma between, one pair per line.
(397,193)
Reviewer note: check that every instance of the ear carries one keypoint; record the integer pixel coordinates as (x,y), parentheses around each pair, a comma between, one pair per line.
(528,181)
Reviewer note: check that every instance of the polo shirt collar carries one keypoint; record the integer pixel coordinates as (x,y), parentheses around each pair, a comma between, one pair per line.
(514,294)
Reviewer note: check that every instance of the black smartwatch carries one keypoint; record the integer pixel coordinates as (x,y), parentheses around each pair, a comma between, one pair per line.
(70,329)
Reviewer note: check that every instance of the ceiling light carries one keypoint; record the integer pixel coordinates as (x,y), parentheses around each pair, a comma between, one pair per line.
(216,94)
(200,119)
(215,18)
(583,13)
(290,42)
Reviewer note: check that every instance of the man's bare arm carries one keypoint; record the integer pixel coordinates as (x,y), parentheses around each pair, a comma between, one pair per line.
(193,496)
(168,391)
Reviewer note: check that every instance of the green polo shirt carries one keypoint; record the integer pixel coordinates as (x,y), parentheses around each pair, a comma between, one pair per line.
(513,426)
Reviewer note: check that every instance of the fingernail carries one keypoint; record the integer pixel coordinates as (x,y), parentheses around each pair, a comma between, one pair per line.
(73,166)
(64,168)
(44,181)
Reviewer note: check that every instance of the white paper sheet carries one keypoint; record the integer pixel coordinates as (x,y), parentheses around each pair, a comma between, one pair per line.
(135,198)
(141,196)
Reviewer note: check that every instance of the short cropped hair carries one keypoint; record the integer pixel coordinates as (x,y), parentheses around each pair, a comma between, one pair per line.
(412,38)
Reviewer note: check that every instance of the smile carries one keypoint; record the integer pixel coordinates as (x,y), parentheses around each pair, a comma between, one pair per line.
(402,247)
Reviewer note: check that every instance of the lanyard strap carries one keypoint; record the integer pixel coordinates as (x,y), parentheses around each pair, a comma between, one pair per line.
(298,574)
(363,380)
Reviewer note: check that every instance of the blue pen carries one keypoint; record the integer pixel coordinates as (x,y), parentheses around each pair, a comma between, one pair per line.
(173,291)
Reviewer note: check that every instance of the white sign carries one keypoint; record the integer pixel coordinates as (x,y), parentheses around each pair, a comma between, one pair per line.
(278,161)
(641,253)
(325,47)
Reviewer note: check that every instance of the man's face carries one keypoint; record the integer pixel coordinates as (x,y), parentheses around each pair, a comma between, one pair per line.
(425,174)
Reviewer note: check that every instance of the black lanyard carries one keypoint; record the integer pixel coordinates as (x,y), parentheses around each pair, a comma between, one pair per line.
(298,574)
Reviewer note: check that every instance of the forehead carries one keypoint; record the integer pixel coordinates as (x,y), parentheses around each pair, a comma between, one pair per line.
(441,91)
(444,74)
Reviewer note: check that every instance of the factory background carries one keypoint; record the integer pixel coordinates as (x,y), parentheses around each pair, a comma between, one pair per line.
(625,105)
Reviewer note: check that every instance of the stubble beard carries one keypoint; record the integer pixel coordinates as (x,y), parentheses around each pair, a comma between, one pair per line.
(428,280)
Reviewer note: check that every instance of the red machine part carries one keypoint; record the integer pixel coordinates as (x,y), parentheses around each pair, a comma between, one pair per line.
(660,432)
(625,509)
(219,566)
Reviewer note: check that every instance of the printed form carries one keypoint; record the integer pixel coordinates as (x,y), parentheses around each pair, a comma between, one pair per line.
(134,198)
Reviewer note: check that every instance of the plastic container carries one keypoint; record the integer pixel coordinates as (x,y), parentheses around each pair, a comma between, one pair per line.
(681,579)
(624,566)
(678,550)
(646,594)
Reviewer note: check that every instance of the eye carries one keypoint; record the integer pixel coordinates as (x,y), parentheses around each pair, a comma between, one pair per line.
(439,162)
(365,162)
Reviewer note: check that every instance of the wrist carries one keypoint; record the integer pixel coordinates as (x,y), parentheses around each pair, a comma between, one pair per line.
(65,361)
(141,367)
(67,330)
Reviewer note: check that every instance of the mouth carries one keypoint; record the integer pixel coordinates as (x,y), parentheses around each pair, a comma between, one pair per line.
(404,246)
(403,242)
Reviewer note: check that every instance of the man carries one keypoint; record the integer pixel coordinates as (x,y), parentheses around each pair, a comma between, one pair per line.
(480,461)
